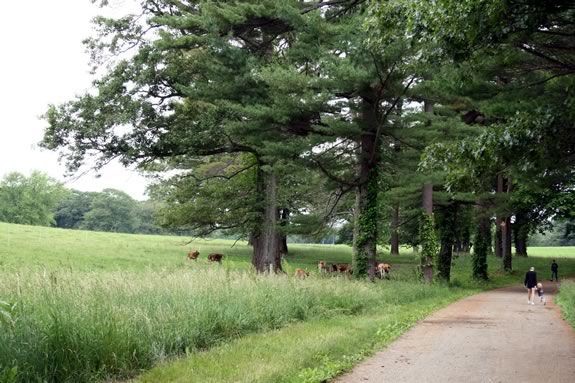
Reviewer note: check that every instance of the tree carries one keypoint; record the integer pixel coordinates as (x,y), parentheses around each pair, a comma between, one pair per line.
(112,210)
(211,79)
(70,211)
(29,200)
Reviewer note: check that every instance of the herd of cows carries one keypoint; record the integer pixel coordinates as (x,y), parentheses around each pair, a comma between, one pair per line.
(382,269)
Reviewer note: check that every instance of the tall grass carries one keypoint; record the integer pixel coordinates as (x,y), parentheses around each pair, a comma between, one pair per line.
(566,299)
(84,327)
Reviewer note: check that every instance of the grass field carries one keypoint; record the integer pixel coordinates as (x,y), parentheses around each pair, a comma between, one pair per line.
(99,306)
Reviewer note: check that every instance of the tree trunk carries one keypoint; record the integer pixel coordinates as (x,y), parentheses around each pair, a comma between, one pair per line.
(506,234)
(427,261)
(365,230)
(447,227)
(394,230)
(284,216)
(428,198)
(506,244)
(482,242)
(266,238)
(499,221)
(520,234)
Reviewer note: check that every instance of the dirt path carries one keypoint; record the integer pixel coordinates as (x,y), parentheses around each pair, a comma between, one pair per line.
(490,337)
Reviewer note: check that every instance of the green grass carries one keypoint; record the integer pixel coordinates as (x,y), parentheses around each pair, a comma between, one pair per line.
(312,351)
(552,252)
(99,306)
(566,300)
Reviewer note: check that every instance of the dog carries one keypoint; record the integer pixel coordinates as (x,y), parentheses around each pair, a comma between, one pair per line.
(215,257)
(193,255)
(301,273)
(383,270)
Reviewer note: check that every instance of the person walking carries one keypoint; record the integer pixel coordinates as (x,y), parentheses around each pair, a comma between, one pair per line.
(554,269)
(530,283)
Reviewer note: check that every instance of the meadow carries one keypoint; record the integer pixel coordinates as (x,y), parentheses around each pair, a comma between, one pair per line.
(95,307)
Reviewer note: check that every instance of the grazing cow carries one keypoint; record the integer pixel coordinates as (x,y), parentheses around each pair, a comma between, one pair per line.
(383,270)
(193,255)
(322,267)
(215,257)
(301,273)
(344,268)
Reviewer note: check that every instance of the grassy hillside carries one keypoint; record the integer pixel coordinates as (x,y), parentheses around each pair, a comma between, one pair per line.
(99,306)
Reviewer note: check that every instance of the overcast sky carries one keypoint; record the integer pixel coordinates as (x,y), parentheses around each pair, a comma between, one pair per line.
(43,61)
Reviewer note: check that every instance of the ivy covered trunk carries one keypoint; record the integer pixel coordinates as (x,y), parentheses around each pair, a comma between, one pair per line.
(394,230)
(482,242)
(366,217)
(427,233)
(447,230)
(266,239)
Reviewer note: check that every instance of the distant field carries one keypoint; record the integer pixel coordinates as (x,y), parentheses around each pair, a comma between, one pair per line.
(42,247)
(552,252)
(104,307)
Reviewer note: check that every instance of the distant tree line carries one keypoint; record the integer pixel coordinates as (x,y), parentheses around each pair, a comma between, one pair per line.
(41,200)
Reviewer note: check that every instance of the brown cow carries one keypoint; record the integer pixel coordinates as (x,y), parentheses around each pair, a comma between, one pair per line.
(193,255)
(322,267)
(215,257)
(383,270)
(301,273)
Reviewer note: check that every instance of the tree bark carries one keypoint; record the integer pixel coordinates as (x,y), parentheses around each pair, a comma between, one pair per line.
(284,216)
(499,221)
(428,198)
(266,238)
(506,233)
(520,234)
(365,230)
(482,242)
(447,222)
(395,231)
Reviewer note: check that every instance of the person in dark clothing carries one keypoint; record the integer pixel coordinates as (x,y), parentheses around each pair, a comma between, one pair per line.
(530,283)
(554,269)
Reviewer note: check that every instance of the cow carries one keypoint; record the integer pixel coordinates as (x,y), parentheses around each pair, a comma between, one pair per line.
(322,267)
(383,270)
(215,257)
(301,273)
(193,255)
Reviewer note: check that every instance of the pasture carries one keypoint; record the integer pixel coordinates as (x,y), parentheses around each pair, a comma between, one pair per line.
(95,307)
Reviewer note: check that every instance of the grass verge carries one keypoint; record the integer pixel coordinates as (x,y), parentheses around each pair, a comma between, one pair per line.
(566,300)
(307,352)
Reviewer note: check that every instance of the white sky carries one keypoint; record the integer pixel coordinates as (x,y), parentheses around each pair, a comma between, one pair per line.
(44,62)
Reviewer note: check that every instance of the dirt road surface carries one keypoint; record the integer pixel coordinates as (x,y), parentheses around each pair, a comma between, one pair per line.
(490,337)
